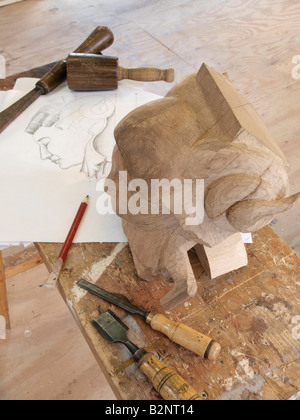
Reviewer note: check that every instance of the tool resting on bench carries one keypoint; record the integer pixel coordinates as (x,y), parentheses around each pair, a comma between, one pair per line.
(177,332)
(166,381)
(99,39)
(86,72)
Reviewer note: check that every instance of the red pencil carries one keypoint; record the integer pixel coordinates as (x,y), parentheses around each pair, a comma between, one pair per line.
(51,282)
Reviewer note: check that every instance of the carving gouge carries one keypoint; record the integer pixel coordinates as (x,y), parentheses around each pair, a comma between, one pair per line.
(176,331)
(99,39)
(166,381)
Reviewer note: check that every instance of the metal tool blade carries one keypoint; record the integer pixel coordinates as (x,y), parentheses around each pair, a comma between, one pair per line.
(114,330)
(109,297)
(16,109)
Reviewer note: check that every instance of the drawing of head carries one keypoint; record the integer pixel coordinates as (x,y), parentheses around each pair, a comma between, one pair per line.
(69,134)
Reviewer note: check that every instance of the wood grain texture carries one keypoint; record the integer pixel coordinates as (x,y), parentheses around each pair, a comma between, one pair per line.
(249,312)
(203,129)
(185,336)
(4,311)
(44,356)
(23,266)
(227,256)
(90,72)
(100,39)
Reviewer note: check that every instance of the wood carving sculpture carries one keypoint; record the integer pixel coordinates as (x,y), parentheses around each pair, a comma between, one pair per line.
(202,129)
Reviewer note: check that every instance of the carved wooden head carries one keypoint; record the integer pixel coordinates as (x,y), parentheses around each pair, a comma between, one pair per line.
(202,129)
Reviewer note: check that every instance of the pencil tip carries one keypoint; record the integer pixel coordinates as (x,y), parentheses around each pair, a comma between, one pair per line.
(86,200)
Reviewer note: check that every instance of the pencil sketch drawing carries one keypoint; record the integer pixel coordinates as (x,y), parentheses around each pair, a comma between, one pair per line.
(70,133)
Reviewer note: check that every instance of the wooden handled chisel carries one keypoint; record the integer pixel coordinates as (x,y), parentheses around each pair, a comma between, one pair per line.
(177,332)
(99,39)
(169,384)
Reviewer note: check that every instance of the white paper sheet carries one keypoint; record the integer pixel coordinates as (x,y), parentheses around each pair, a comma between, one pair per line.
(43,181)
(25,84)
(2,98)
(247,238)
(7,97)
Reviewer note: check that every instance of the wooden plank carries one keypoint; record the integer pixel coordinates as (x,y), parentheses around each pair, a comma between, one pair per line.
(20,268)
(15,256)
(231,37)
(21,261)
(4,311)
(250,312)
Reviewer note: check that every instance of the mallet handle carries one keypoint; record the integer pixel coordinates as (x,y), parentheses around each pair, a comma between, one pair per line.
(146,74)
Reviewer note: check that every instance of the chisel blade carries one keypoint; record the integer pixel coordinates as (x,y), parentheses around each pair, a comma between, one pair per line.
(109,297)
(114,330)
(111,327)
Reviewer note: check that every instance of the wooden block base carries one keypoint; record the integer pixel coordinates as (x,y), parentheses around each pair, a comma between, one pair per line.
(227,256)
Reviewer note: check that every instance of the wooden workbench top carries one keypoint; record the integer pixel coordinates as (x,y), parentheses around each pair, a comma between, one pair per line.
(252,312)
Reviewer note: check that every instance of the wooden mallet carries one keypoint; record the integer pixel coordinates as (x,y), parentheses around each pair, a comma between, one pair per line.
(101,38)
(87,72)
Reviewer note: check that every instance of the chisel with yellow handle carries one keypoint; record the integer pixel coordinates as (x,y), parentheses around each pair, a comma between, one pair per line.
(169,384)
(177,332)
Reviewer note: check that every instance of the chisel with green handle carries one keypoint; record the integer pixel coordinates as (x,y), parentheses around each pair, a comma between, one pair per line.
(177,332)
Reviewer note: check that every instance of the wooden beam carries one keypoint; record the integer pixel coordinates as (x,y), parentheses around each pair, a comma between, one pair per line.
(3,294)
(7,2)
(24,266)
(21,261)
